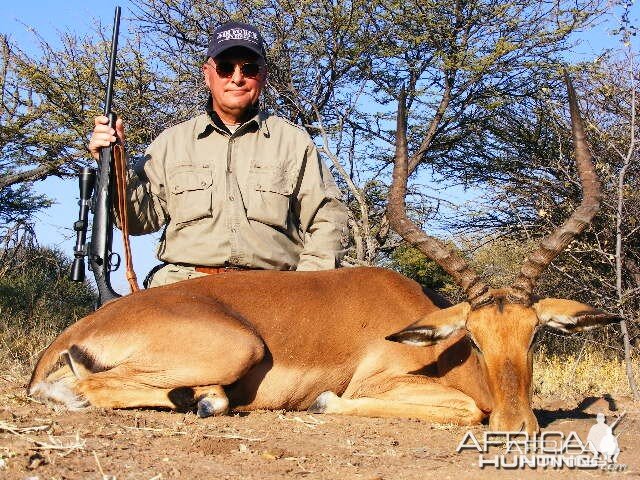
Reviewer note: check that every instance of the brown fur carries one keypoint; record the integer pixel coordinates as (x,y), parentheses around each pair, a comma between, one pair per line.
(277,340)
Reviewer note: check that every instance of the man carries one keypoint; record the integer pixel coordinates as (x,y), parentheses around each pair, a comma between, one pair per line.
(235,187)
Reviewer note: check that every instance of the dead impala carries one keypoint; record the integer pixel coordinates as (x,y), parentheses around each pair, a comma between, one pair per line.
(320,340)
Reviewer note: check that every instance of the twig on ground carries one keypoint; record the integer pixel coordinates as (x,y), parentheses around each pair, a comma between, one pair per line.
(95,456)
(157,430)
(103,475)
(33,400)
(310,421)
(57,444)
(443,426)
(299,461)
(15,430)
(54,443)
(234,437)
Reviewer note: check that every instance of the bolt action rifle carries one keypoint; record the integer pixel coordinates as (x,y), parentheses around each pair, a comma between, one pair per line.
(96,192)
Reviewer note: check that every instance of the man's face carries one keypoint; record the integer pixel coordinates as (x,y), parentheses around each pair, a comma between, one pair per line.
(234,93)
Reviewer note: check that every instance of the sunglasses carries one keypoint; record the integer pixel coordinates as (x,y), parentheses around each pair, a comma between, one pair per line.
(248,70)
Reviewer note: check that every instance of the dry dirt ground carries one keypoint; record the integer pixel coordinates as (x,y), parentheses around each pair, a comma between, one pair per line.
(37,442)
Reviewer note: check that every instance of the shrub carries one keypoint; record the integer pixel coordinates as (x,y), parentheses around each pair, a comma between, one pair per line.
(37,301)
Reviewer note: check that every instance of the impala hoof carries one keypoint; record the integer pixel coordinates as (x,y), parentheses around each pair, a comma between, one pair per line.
(321,405)
(212,406)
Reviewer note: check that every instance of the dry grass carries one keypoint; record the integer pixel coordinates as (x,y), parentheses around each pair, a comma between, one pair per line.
(589,373)
(19,350)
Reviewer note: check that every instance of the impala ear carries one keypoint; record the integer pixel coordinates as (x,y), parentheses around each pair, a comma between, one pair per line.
(570,317)
(433,327)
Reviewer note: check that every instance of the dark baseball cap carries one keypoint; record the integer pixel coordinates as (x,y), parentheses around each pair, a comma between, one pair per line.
(235,34)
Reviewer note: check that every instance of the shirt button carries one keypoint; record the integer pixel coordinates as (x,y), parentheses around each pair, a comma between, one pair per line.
(232,198)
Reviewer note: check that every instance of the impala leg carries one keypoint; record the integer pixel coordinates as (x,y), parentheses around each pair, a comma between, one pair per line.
(117,388)
(211,400)
(111,390)
(60,387)
(154,370)
(427,401)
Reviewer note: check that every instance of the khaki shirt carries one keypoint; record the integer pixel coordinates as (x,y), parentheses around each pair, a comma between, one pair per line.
(259,198)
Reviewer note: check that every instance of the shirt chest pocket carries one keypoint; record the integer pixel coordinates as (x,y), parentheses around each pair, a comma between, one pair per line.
(269,197)
(191,196)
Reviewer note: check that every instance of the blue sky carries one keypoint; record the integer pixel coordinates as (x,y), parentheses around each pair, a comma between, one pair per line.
(49,18)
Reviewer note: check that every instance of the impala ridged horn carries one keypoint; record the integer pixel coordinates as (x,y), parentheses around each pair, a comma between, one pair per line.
(552,245)
(444,255)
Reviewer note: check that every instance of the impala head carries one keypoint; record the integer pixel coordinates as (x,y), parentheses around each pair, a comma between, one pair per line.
(502,334)
(501,323)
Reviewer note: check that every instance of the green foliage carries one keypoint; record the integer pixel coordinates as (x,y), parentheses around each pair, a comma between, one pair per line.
(335,68)
(47,108)
(414,264)
(39,291)
(37,301)
(534,185)
(18,204)
(499,259)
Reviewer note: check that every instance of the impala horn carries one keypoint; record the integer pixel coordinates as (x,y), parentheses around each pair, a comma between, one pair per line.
(552,245)
(444,255)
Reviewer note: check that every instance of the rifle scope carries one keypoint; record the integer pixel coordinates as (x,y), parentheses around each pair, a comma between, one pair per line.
(86,183)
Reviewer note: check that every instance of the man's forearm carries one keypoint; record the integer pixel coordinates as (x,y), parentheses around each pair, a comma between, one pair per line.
(326,239)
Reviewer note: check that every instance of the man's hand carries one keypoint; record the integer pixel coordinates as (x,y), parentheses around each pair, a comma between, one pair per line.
(103,135)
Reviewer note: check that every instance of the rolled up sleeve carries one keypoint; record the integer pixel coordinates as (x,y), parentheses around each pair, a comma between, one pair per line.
(323,216)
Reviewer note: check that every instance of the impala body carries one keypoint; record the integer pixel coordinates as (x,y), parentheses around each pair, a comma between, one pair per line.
(278,340)
(362,341)
(271,339)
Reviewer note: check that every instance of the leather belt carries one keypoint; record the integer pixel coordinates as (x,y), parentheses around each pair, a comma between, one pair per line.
(216,270)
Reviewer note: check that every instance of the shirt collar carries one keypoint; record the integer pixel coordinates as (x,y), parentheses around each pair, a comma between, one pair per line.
(213,121)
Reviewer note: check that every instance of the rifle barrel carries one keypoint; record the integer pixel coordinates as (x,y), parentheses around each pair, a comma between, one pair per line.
(112,62)
(100,251)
